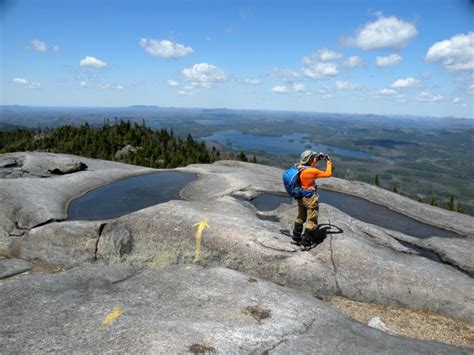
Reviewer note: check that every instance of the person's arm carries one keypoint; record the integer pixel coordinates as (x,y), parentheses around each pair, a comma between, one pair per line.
(314,173)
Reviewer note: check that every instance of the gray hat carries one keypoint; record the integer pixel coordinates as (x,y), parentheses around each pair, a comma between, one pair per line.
(306,156)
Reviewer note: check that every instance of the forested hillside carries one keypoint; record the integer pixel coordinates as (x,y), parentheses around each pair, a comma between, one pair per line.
(152,148)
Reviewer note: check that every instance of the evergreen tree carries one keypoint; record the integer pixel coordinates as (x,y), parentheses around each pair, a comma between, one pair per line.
(450,203)
(419,198)
(254,159)
(433,201)
(394,188)
(242,156)
(376,180)
(459,208)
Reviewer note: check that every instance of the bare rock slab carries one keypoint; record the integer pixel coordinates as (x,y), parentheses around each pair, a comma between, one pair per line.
(11,267)
(176,310)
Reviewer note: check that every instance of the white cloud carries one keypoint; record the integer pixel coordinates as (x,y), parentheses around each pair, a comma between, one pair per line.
(280,89)
(25,83)
(299,87)
(457,100)
(172,83)
(324,55)
(287,75)
(385,32)
(387,61)
(404,83)
(320,70)
(83,84)
(470,89)
(327,96)
(185,93)
(165,48)
(92,62)
(387,92)
(251,81)
(345,85)
(428,97)
(204,74)
(455,54)
(38,46)
(41,47)
(110,87)
(353,62)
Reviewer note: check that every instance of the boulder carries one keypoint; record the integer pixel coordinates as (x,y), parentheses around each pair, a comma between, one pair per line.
(122,153)
(64,244)
(176,310)
(350,262)
(65,166)
(11,267)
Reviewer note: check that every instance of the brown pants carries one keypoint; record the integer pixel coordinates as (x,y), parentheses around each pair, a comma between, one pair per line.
(308,211)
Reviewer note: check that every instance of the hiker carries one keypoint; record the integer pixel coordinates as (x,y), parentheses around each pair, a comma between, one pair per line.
(306,195)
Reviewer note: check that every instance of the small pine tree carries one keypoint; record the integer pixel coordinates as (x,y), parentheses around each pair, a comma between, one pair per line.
(433,201)
(376,180)
(459,208)
(242,157)
(450,203)
(419,199)
(254,159)
(394,188)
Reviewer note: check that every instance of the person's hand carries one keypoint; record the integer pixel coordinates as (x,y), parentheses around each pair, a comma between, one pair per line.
(327,158)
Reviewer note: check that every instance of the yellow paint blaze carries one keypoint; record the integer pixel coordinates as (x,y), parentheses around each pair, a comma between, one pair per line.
(111,317)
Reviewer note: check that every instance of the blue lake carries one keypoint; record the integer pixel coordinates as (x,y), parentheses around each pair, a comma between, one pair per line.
(292,144)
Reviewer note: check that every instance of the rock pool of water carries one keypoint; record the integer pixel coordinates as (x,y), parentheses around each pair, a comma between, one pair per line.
(363,210)
(128,195)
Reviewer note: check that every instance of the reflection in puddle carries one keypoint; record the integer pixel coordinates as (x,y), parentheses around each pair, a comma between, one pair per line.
(363,210)
(128,195)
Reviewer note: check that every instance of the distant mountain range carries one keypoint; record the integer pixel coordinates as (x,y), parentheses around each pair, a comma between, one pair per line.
(41,116)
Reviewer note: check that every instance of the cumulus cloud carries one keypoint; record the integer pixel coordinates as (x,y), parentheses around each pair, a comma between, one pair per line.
(354,62)
(387,92)
(92,62)
(429,97)
(320,70)
(38,46)
(385,32)
(41,47)
(204,74)
(165,48)
(387,61)
(457,100)
(404,83)
(455,54)
(280,89)
(25,83)
(172,83)
(83,84)
(287,75)
(345,85)
(324,55)
(299,87)
(251,81)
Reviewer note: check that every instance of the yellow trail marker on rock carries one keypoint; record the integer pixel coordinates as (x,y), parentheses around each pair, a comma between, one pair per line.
(201,225)
(111,317)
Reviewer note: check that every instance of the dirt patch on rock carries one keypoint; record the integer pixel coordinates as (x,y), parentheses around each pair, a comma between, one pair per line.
(421,325)
(258,313)
(201,349)
(42,266)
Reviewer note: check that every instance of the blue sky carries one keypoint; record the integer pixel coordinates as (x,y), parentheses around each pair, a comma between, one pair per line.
(383,57)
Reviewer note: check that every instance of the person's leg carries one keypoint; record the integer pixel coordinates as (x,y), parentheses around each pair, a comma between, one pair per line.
(312,210)
(299,222)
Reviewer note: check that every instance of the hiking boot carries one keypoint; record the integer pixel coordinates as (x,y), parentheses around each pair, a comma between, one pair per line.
(308,238)
(297,230)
